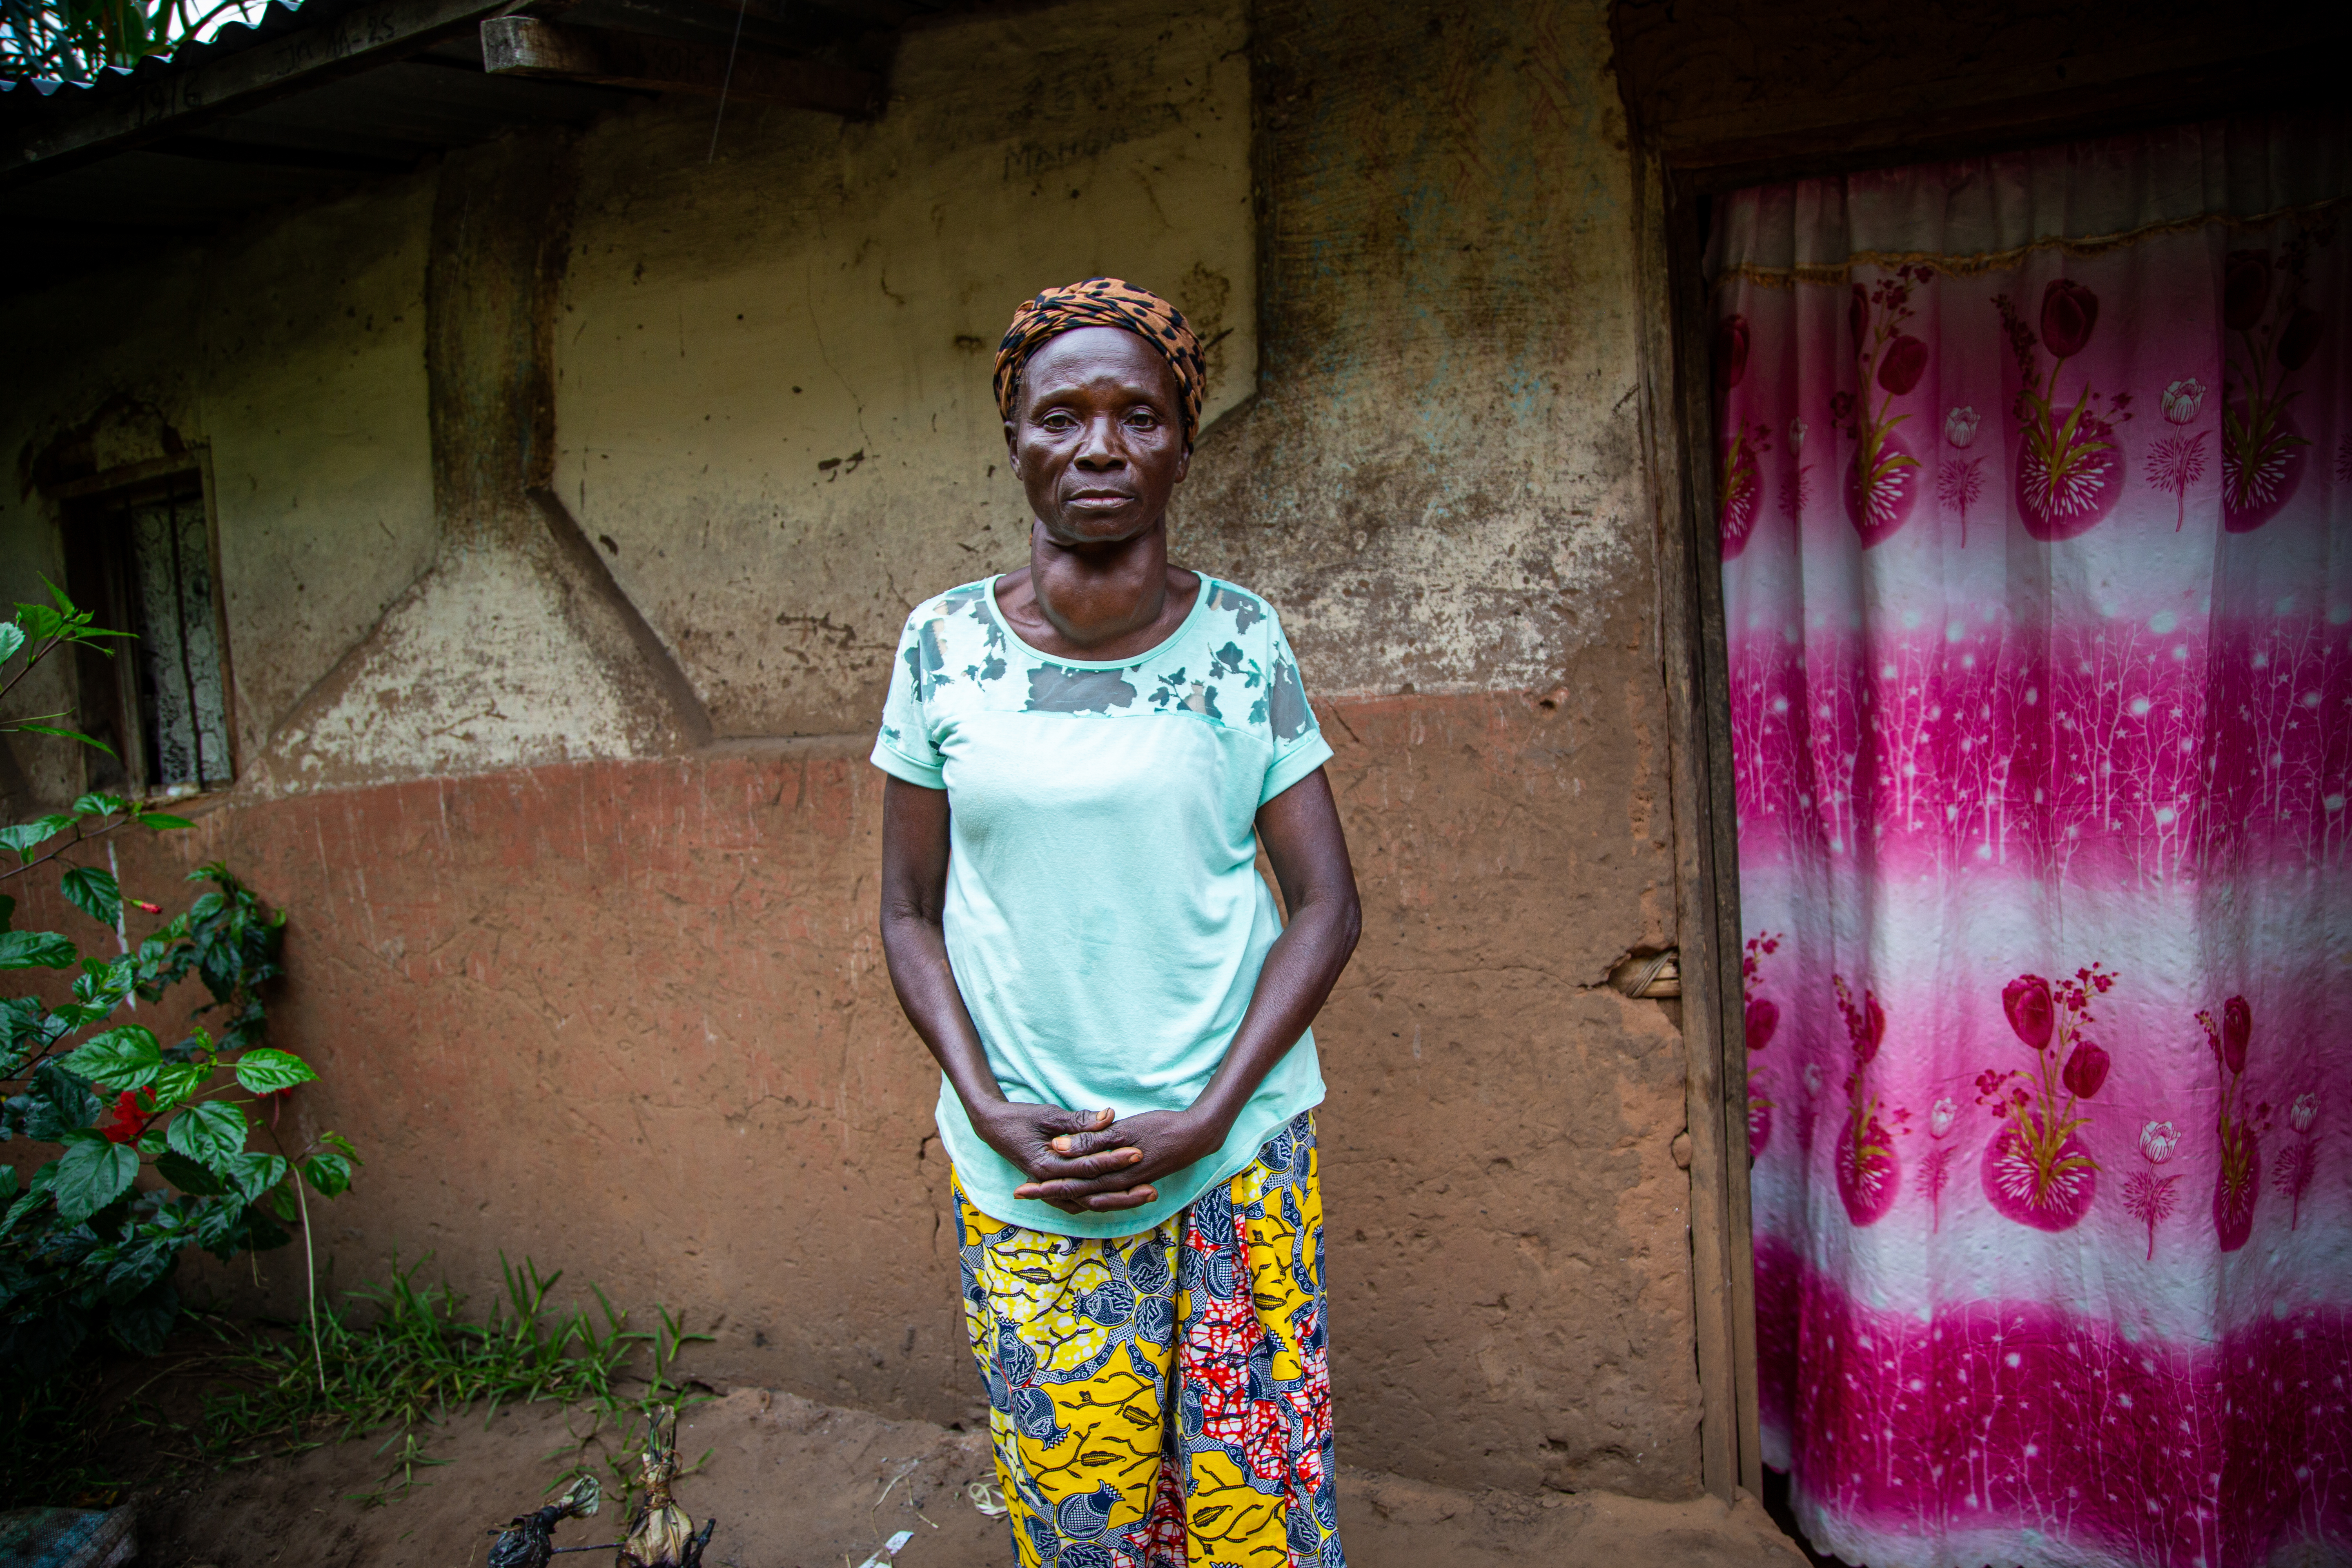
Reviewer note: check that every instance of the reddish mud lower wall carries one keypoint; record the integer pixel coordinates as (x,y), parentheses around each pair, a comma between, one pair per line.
(630,1019)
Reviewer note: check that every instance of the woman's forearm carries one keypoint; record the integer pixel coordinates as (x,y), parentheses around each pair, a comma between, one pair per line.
(1309,851)
(915,947)
(1300,969)
(915,836)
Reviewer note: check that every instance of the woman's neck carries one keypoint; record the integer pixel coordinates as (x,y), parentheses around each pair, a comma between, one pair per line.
(1097,601)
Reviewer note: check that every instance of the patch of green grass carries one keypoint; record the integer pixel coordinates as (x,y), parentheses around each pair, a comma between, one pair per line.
(419,1363)
(397,1358)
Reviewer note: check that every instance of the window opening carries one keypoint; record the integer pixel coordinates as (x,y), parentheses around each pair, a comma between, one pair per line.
(143,561)
(185,704)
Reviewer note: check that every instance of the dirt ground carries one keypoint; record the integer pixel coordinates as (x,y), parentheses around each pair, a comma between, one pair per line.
(799,1485)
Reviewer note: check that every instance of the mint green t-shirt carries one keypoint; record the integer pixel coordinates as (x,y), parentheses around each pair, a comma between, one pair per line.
(1105,916)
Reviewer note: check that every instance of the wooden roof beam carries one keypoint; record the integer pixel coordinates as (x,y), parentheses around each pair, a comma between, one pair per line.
(87,124)
(524,45)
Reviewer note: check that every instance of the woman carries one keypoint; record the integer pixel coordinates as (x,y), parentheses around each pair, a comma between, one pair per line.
(1083,758)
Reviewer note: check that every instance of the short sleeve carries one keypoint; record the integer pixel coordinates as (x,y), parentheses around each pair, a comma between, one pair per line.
(903,746)
(1300,747)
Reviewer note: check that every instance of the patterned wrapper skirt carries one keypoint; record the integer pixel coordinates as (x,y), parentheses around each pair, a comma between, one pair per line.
(1164,1399)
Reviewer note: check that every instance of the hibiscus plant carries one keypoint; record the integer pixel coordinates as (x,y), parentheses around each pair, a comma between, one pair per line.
(122,1150)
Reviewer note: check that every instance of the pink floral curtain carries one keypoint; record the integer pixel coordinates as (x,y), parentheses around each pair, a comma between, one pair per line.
(2036,489)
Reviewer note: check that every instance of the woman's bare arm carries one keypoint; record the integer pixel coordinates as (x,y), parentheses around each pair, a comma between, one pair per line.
(914,892)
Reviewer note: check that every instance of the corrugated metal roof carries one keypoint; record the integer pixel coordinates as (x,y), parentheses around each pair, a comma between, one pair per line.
(276,20)
(324,137)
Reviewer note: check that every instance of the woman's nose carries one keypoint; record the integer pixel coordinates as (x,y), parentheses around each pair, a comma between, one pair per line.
(1098,450)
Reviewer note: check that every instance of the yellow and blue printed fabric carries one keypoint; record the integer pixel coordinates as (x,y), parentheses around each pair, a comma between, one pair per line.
(1103,914)
(1163,1399)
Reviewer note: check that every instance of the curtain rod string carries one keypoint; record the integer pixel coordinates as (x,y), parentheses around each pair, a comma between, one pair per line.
(727,81)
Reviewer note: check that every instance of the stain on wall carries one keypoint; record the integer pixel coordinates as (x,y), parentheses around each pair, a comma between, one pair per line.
(775,410)
(1440,478)
(616,1001)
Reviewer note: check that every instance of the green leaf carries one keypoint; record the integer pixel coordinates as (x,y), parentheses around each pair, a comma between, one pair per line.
(177,1080)
(342,1146)
(39,623)
(284,1202)
(12,640)
(67,735)
(24,1204)
(253,1174)
(58,1104)
(329,1174)
(91,1173)
(144,1322)
(266,1071)
(212,1132)
(104,983)
(27,836)
(25,949)
(162,821)
(220,1227)
(137,1265)
(188,1176)
(95,805)
(93,891)
(127,1058)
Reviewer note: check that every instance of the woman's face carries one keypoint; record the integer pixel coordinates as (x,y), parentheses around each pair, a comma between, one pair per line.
(1099,437)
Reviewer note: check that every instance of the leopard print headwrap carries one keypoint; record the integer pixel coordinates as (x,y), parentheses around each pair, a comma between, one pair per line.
(1104,302)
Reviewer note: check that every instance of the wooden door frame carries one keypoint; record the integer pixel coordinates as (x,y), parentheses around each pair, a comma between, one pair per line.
(1676,406)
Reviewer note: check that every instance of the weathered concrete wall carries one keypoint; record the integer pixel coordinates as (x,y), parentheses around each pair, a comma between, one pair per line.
(611,996)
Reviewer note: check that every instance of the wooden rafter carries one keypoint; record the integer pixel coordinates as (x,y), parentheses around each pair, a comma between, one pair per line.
(524,45)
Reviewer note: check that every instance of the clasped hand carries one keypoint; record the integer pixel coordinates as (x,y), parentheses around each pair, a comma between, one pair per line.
(1091,1162)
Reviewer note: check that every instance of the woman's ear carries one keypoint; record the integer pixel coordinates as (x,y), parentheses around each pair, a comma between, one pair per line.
(1013,447)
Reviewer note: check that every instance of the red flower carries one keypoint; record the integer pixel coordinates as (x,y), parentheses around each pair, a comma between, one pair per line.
(1730,353)
(129,1116)
(1763,1017)
(2245,289)
(2086,1069)
(2300,340)
(2026,1000)
(2069,311)
(1857,316)
(2237,1029)
(1873,1029)
(1905,363)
